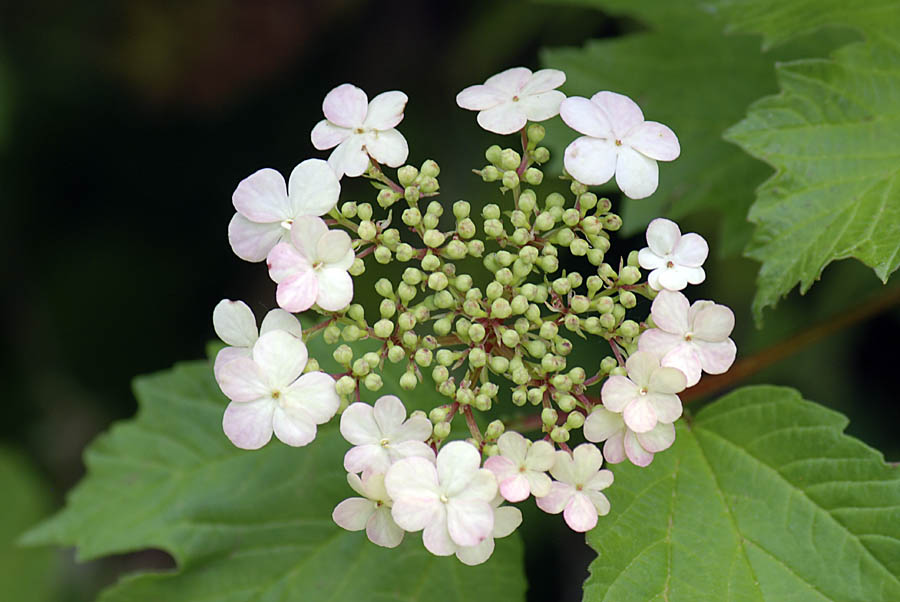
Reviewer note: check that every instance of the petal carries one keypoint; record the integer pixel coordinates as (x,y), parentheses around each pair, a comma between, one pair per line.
(580,513)
(349,158)
(437,539)
(327,135)
(335,289)
(672,279)
(388,147)
(299,292)
(503,468)
(314,188)
(663,236)
(614,448)
(588,460)
(410,449)
(713,323)
(636,454)
(563,469)
(506,520)
(417,428)
(600,502)
(356,484)
(249,425)
(538,482)
(226,355)
(539,107)
(601,480)
(555,501)
(353,513)
(480,97)
(481,487)
(332,246)
(543,80)
(658,439)
(515,488)
(601,424)
(639,415)
(653,280)
(622,112)
(281,356)
(658,342)
(649,260)
(242,380)
(684,357)
(278,319)
(385,110)
(315,393)
(654,140)
(235,323)
(389,413)
(417,513)
(293,427)
(469,521)
(641,365)
(475,555)
(382,530)
(285,261)
(371,458)
(591,161)
(667,381)
(515,447)
(540,456)
(262,197)
(585,117)
(358,424)
(457,463)
(346,106)
(505,118)
(413,478)
(618,392)
(715,358)
(670,312)
(511,81)
(636,175)
(252,241)
(691,250)
(693,275)
(305,234)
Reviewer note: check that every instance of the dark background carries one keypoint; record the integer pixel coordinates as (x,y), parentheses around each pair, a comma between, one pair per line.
(124,128)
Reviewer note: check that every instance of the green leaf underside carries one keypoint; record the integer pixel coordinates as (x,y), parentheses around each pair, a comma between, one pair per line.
(762,497)
(244,525)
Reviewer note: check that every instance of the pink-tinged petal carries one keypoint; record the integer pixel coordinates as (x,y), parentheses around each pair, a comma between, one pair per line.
(262,197)
(481,487)
(653,279)
(388,147)
(510,81)
(672,279)
(249,425)
(369,458)
(515,447)
(437,539)
(335,289)
(416,513)
(713,323)
(614,448)
(293,427)
(242,380)
(358,424)
(662,236)
(480,97)
(649,260)
(588,460)
(315,393)
(544,80)
(540,456)
(639,415)
(305,234)
(386,110)
(586,118)
(591,161)
(235,323)
(659,439)
(349,158)
(636,175)
(667,381)
(456,464)
(332,246)
(413,478)
(281,356)
(278,319)
(658,342)
(372,487)
(684,357)
(563,469)
(691,250)
(502,467)
(539,483)
(540,107)
(601,480)
(469,521)
(693,275)
(515,488)
(353,513)
(417,428)
(556,501)
(715,358)
(475,555)
(226,355)
(670,312)
(251,241)
(601,424)
(382,530)
(410,449)
(580,513)
(600,502)
(640,366)
(622,112)
(346,106)
(636,454)
(697,307)
(503,119)
(314,188)
(327,135)
(299,292)
(618,392)
(285,261)
(654,140)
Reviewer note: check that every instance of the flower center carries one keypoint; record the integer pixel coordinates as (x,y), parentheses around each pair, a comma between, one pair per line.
(643,390)
(688,336)
(378,503)
(384,442)
(515,99)
(444,498)
(317,264)
(522,469)
(579,487)
(618,143)
(359,131)
(669,264)
(286,224)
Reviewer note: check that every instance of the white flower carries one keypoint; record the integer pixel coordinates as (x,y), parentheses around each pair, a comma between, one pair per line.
(647,396)
(381,436)
(269,394)
(506,101)
(361,129)
(371,512)
(521,466)
(312,268)
(690,338)
(617,141)
(450,500)
(576,491)
(235,324)
(266,209)
(674,258)
(506,520)
(622,442)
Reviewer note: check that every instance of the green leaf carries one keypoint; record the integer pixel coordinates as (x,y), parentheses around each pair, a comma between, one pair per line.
(762,497)
(833,137)
(244,525)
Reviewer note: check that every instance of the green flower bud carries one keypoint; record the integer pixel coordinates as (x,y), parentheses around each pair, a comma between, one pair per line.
(519,305)
(441,431)
(408,381)
(519,219)
(412,194)
(356,312)
(445,357)
(575,420)
(435,208)
(465,396)
(490,389)
(521,236)
(477,357)
(580,304)
(345,385)
(492,154)
(423,357)
(504,258)
(443,299)
(533,176)
(618,311)
(510,338)
(361,367)
(364,211)
(430,221)
(519,397)
(509,159)
(550,363)
(536,348)
(607,364)
(406,321)
(504,276)
(463,282)
(541,154)
(562,347)
(440,374)
(604,205)
(367,230)
(549,416)
(579,247)
(331,334)
(591,225)
(351,333)
(490,173)
(404,252)
(536,395)
(543,293)
(629,329)
(501,309)
(566,403)
(549,330)
(629,275)
(494,290)
(384,328)
(510,179)
(448,387)
(594,284)
(429,185)
(549,250)
(462,327)
(433,238)
(438,414)
(577,375)
(428,341)
(387,197)
(382,255)
(608,321)
(548,263)
(407,175)
(633,259)
(592,325)
(577,188)
(544,221)
(575,279)
(412,276)
(499,364)
(535,133)
(618,371)
(604,305)
(606,271)
(430,169)
(476,332)
(494,228)
(612,222)
(373,382)
(461,209)
(348,210)
(572,323)
(437,281)
(527,201)
(587,201)
(430,262)
(406,292)
(358,268)
(559,434)
(466,228)
(564,237)
(494,429)
(396,354)
(627,299)
(443,326)
(571,217)
(482,403)
(411,216)
(561,286)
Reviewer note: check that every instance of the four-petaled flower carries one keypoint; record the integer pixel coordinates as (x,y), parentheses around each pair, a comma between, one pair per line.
(506,520)
(450,499)
(621,442)
(675,258)
(371,512)
(647,396)
(381,437)
(521,466)
(235,324)
(266,209)
(312,268)
(576,492)
(361,129)
(617,141)
(690,337)
(506,101)
(269,394)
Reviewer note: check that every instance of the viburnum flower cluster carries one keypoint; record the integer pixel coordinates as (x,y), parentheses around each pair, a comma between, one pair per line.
(491,302)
